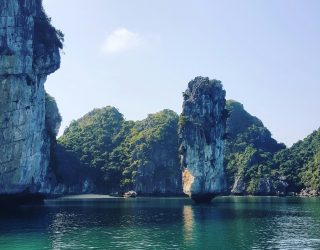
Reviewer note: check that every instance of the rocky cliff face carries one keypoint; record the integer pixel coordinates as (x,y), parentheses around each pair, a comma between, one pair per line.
(29,51)
(161,174)
(202,127)
(156,151)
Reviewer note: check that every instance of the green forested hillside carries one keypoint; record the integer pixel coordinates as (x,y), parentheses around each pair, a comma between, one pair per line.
(92,137)
(300,164)
(151,147)
(120,155)
(249,153)
(140,155)
(310,174)
(257,164)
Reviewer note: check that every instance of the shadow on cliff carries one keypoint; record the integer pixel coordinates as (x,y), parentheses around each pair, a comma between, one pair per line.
(72,176)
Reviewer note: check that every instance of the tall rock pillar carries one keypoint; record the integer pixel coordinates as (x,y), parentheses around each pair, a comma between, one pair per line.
(202,127)
(29,51)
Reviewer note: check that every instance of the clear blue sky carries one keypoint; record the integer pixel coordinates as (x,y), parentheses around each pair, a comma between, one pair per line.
(139,55)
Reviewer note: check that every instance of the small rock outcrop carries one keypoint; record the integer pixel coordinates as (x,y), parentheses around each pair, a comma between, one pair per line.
(201,131)
(130,194)
(29,52)
(308,192)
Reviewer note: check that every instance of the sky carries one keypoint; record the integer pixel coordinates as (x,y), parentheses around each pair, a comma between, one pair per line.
(139,55)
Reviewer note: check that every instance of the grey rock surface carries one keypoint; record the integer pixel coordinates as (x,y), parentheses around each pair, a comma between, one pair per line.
(239,186)
(162,174)
(159,172)
(202,127)
(29,51)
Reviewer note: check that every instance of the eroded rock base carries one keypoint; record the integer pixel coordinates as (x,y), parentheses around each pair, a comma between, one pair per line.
(13,200)
(202,198)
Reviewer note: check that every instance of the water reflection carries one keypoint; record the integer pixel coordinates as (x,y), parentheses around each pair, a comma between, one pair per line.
(227,223)
(252,223)
(60,226)
(188,223)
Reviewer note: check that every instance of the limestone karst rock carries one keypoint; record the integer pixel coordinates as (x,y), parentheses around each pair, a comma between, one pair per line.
(29,52)
(201,132)
(156,150)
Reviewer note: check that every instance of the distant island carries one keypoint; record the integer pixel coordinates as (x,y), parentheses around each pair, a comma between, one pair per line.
(106,154)
(143,155)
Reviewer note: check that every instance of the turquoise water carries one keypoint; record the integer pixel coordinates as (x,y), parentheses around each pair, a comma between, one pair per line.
(164,223)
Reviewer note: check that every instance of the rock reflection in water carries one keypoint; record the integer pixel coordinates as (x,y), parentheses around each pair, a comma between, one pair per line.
(188,222)
(168,223)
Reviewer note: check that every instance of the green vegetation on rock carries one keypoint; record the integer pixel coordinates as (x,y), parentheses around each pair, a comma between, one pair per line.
(140,155)
(249,153)
(300,163)
(153,165)
(119,155)
(92,139)
(310,175)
